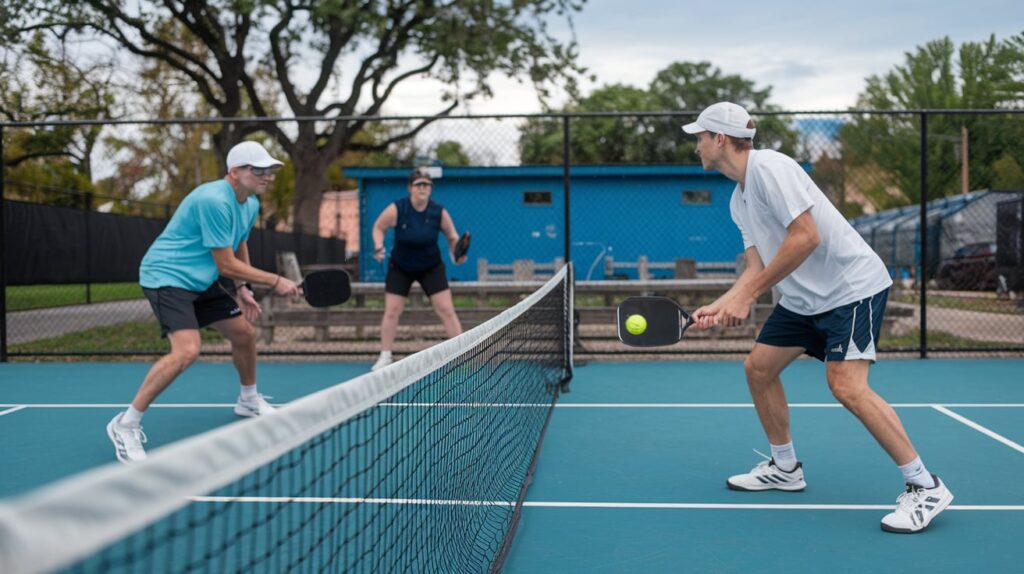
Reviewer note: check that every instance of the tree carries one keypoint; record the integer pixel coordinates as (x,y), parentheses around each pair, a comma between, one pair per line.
(357,53)
(650,138)
(42,83)
(450,153)
(937,76)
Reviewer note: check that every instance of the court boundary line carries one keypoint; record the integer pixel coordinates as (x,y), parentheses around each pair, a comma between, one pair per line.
(13,409)
(566,504)
(983,430)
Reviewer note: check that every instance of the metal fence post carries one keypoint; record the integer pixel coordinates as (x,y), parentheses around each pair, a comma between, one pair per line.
(3,276)
(923,275)
(565,184)
(86,212)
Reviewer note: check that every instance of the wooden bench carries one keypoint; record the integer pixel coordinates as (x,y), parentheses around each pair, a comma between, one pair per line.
(681,268)
(643,268)
(359,313)
(518,270)
(595,300)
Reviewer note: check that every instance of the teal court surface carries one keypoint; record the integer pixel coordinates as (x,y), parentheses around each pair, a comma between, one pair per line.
(631,476)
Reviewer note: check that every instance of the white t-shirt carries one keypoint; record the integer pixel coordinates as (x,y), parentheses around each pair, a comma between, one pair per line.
(841,270)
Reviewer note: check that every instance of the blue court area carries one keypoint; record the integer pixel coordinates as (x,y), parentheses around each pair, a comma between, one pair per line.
(632,472)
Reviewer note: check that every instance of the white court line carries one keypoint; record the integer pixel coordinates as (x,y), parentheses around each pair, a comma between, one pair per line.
(530,405)
(546,504)
(11,410)
(979,428)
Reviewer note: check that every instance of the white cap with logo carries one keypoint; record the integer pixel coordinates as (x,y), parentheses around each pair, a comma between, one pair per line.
(250,153)
(722,118)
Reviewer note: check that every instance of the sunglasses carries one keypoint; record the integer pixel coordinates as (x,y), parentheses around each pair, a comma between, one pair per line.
(260,171)
(423,184)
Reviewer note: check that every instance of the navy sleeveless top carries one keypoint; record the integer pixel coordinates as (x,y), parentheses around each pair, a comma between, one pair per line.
(416,236)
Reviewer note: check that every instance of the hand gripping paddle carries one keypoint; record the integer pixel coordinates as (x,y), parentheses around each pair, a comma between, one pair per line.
(327,287)
(462,246)
(664,321)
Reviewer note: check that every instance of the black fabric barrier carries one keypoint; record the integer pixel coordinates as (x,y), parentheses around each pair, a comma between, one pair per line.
(44,244)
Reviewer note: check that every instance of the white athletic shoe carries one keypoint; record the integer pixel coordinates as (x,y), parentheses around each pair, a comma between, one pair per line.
(253,407)
(128,440)
(917,507)
(767,476)
(382,361)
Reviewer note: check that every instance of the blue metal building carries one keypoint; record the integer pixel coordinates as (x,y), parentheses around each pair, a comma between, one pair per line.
(661,212)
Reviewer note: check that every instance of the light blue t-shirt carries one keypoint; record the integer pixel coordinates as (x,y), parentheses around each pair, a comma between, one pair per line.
(210,217)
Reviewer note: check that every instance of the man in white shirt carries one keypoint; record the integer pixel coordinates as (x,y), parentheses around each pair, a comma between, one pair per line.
(833,291)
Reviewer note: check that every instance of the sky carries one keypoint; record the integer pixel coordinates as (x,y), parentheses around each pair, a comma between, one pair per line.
(815,55)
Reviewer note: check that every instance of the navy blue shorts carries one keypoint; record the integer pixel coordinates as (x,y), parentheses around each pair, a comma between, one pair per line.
(843,334)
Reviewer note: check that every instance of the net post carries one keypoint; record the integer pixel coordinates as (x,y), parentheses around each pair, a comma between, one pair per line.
(569,317)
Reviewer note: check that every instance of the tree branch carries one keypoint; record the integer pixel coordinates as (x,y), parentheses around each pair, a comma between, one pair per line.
(358,125)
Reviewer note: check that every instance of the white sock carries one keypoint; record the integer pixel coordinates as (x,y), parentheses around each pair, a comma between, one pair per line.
(248,392)
(914,472)
(784,456)
(385,354)
(131,417)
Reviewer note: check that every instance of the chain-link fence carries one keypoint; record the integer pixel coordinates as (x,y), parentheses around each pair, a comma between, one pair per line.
(622,195)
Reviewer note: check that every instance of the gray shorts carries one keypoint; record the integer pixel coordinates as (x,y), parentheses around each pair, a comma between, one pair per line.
(178,309)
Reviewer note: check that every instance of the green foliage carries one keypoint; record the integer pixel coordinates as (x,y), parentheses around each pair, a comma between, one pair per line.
(937,76)
(41,81)
(275,57)
(682,86)
(450,153)
(1007,173)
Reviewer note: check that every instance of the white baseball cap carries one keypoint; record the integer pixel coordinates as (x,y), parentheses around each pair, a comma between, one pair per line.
(250,153)
(722,118)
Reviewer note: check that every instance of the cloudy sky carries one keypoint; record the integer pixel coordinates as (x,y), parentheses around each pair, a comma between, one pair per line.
(814,54)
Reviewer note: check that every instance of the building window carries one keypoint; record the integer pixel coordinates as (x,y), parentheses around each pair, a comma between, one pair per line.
(697,197)
(537,197)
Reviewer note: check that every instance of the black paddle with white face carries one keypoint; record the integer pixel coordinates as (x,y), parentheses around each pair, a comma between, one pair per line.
(327,287)
(651,321)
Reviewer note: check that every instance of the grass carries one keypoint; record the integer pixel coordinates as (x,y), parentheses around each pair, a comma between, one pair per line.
(24,297)
(937,339)
(963,303)
(139,336)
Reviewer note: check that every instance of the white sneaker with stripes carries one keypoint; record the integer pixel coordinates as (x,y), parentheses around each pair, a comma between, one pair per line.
(128,440)
(767,476)
(917,507)
(255,407)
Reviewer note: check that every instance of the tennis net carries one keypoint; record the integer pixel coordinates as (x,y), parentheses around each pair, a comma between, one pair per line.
(419,467)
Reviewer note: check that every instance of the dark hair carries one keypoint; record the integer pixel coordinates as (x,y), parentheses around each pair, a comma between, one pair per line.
(419,173)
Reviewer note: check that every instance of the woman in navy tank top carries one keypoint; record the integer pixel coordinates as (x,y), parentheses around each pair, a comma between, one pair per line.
(415,258)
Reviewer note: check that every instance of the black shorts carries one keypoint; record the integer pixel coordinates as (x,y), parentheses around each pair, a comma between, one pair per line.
(178,309)
(841,334)
(398,282)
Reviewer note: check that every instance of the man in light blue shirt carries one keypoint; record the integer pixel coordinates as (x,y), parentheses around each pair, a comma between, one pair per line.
(181,275)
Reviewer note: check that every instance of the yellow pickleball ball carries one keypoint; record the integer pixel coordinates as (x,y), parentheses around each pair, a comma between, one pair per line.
(636,324)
